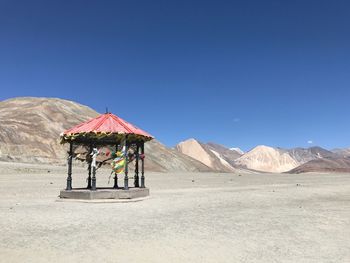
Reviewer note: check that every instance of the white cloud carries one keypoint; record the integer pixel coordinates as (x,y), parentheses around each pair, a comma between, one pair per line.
(310,142)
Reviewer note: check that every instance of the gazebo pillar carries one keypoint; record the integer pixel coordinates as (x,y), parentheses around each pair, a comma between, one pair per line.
(115,186)
(126,178)
(93,179)
(89,177)
(143,165)
(115,174)
(70,158)
(89,170)
(136,177)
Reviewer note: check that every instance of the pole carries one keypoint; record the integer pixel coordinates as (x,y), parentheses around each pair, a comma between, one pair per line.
(126,178)
(93,181)
(136,177)
(89,178)
(115,174)
(89,169)
(70,158)
(143,165)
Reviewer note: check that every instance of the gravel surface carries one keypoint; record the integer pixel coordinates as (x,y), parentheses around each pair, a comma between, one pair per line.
(201,217)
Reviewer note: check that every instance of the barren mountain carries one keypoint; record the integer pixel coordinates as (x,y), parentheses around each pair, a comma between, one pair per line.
(342,152)
(211,156)
(304,155)
(227,154)
(341,165)
(267,159)
(238,150)
(30,129)
(163,159)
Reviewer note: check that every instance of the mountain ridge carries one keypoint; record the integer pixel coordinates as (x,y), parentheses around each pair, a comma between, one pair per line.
(30,129)
(267,159)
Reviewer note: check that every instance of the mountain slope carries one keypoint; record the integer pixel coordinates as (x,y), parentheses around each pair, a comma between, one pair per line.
(267,159)
(163,159)
(227,154)
(30,129)
(238,150)
(304,155)
(342,152)
(208,155)
(341,165)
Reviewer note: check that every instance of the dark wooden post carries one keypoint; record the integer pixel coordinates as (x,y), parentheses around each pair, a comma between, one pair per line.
(136,177)
(126,178)
(115,181)
(89,168)
(115,174)
(143,165)
(89,178)
(70,158)
(93,180)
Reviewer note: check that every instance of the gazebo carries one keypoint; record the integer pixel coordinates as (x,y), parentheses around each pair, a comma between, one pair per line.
(106,130)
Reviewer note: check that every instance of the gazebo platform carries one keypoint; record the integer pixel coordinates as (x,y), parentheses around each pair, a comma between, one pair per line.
(104,193)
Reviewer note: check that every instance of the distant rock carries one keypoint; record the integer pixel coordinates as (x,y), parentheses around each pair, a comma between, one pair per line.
(267,159)
(329,165)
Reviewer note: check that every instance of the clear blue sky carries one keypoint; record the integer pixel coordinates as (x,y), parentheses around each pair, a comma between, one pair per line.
(239,73)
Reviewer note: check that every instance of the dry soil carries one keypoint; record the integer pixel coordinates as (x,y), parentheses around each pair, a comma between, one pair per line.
(202,217)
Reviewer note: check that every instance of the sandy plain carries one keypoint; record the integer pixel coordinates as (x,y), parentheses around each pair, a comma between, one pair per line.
(194,217)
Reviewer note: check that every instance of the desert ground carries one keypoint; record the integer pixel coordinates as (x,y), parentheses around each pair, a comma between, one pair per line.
(189,217)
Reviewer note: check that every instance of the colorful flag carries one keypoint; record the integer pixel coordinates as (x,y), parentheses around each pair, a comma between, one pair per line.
(118,164)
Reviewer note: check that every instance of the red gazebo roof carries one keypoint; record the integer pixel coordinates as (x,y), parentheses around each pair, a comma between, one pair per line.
(104,126)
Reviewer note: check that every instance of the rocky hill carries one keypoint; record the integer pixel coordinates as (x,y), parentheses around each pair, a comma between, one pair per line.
(30,129)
